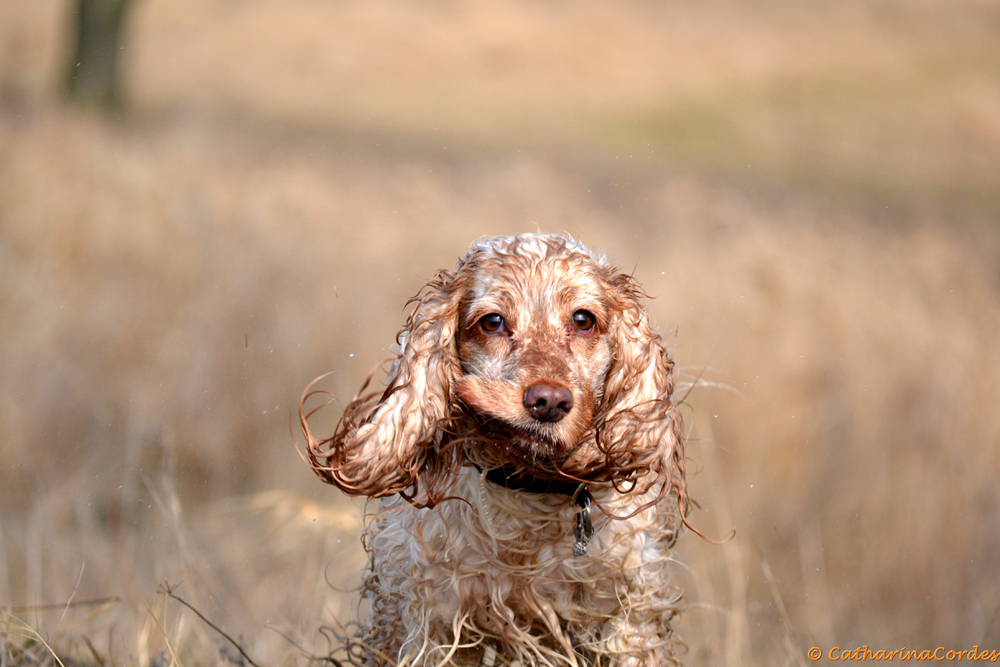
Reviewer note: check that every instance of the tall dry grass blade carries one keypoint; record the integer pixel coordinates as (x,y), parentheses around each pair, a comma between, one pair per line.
(86,618)
(166,638)
(709,632)
(34,633)
(197,568)
(60,605)
(93,651)
(6,592)
(814,582)
(142,640)
(737,648)
(79,578)
(793,654)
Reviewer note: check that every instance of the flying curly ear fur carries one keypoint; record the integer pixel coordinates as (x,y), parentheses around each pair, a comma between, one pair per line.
(638,429)
(393,442)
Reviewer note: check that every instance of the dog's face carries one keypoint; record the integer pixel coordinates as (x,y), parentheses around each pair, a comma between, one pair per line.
(534,350)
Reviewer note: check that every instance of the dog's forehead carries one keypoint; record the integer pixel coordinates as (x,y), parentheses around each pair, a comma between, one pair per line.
(554,273)
(518,265)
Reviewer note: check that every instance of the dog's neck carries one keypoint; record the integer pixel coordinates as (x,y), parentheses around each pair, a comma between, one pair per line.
(510,477)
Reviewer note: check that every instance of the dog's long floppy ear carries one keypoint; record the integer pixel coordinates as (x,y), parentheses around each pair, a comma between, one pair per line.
(395,441)
(639,430)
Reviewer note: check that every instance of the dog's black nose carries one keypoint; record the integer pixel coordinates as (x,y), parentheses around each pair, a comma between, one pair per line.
(548,403)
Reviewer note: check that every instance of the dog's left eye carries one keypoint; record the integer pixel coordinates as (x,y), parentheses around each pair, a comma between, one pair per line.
(584,321)
(492,323)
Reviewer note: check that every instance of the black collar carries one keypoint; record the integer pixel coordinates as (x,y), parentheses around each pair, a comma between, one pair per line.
(509,478)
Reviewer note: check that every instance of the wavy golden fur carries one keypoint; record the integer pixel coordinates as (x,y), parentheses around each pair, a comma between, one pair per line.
(533,356)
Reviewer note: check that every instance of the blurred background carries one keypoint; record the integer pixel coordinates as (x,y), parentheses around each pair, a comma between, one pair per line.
(206,204)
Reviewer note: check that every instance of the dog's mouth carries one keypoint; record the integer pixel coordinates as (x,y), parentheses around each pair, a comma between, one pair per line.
(538,449)
(541,439)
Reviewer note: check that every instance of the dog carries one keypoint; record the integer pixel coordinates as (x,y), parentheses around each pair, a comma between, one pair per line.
(527,461)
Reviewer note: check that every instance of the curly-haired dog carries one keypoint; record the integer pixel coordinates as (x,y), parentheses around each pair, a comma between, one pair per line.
(528,388)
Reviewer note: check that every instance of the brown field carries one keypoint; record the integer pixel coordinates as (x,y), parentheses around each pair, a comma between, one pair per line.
(811,191)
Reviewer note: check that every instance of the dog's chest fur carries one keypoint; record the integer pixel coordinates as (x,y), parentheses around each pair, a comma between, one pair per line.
(496,567)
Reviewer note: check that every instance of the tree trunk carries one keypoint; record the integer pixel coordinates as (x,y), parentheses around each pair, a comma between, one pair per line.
(93,72)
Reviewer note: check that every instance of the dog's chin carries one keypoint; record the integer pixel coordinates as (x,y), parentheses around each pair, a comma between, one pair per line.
(536,448)
(541,442)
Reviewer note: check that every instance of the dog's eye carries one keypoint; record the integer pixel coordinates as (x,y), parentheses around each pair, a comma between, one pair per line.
(492,323)
(584,321)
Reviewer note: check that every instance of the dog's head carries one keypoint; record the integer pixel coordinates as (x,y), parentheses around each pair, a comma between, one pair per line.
(535,352)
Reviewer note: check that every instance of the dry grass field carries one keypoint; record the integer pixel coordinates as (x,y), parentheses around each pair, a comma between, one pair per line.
(810,191)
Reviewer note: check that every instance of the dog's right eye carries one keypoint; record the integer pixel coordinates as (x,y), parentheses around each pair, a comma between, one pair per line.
(492,323)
